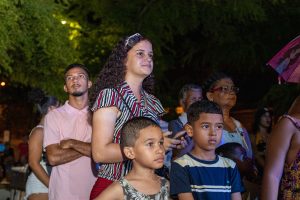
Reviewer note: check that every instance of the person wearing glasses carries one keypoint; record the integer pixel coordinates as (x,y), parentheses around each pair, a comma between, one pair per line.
(220,88)
(123,90)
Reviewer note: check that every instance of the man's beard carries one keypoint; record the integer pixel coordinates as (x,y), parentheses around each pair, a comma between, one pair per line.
(77,94)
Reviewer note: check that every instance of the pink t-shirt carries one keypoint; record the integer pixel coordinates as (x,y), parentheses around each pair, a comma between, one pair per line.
(73,180)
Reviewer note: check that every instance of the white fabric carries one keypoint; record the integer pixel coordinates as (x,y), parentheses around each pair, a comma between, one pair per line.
(34,185)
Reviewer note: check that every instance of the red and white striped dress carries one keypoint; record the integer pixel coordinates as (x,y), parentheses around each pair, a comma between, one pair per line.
(149,106)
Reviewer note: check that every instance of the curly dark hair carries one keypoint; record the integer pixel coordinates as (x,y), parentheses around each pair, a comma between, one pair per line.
(212,80)
(113,72)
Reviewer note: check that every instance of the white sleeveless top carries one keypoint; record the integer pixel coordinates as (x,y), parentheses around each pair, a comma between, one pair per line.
(33,184)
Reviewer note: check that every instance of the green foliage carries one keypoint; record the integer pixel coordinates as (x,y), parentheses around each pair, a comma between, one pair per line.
(191,38)
(34,47)
(8,29)
(174,27)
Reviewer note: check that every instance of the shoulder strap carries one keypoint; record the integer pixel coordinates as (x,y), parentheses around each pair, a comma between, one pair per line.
(163,182)
(297,125)
(237,123)
(131,113)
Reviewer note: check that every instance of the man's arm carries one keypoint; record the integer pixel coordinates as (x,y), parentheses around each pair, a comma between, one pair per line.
(57,155)
(83,148)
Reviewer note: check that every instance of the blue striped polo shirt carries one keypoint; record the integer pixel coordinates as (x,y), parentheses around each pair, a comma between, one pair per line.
(209,180)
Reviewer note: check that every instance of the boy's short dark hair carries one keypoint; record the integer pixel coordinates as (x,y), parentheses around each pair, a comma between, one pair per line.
(203,106)
(75,65)
(131,130)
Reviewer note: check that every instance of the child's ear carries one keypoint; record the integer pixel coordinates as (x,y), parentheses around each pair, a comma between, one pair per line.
(189,129)
(129,153)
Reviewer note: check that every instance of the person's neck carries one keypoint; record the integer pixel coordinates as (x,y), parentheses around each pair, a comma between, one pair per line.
(226,114)
(79,102)
(135,85)
(139,172)
(203,154)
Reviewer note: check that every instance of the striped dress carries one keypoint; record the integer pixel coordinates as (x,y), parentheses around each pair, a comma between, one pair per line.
(149,106)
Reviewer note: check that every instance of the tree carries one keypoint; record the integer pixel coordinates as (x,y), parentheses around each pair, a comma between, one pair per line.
(34,46)
(192,38)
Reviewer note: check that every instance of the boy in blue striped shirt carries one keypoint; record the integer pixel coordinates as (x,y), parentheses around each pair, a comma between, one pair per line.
(201,174)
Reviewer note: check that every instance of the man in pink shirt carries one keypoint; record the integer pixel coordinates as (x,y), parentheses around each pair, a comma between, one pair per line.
(67,139)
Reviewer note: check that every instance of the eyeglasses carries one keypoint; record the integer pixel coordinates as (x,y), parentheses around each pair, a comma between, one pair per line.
(133,39)
(78,77)
(226,89)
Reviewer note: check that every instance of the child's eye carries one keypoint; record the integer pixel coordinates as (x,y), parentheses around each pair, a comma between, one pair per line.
(161,143)
(150,144)
(205,126)
(220,126)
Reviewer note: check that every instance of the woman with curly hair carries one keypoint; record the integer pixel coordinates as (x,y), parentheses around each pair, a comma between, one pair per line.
(123,90)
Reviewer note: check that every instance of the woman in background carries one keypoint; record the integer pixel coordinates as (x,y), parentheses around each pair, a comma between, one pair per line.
(221,89)
(38,180)
(262,127)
